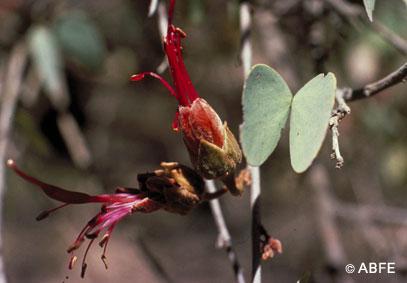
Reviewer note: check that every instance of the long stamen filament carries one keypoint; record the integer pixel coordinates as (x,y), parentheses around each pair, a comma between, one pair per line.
(139,77)
(84,264)
(44,214)
(104,243)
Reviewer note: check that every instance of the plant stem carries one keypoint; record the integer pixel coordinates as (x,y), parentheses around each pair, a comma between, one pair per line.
(347,94)
(256,223)
(224,239)
(398,76)
(246,57)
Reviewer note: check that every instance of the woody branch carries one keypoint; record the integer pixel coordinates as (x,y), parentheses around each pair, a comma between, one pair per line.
(347,94)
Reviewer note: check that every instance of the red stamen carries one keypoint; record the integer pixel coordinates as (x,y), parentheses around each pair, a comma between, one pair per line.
(103,243)
(81,237)
(185,90)
(84,265)
(139,77)
(72,261)
(46,213)
(175,122)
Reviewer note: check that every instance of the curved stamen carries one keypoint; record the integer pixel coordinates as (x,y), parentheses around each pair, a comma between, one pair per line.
(44,214)
(103,243)
(175,122)
(81,237)
(72,261)
(84,264)
(139,77)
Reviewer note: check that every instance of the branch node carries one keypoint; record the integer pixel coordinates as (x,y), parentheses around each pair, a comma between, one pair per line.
(338,114)
(222,242)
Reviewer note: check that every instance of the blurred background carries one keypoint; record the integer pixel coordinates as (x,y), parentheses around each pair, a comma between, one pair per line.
(80,124)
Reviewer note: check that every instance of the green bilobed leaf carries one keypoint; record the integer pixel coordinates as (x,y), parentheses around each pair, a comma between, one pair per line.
(369,6)
(80,40)
(47,59)
(266,103)
(310,113)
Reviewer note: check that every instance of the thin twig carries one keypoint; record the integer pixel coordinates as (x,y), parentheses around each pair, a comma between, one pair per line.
(224,240)
(256,223)
(245,30)
(398,76)
(246,58)
(347,94)
(11,89)
(338,114)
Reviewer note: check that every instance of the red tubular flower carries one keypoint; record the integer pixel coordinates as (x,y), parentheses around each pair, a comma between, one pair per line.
(213,149)
(114,208)
(174,187)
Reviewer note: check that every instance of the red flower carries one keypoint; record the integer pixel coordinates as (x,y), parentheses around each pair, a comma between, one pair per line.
(213,149)
(174,187)
(114,208)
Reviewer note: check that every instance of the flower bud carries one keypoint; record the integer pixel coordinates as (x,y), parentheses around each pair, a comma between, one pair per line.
(212,147)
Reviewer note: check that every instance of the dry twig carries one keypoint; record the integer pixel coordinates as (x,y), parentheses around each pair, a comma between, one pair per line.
(246,57)
(346,94)
(224,240)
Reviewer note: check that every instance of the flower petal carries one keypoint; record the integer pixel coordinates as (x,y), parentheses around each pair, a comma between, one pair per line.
(50,190)
(66,196)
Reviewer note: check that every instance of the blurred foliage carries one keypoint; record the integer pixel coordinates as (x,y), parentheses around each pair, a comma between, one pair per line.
(80,39)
